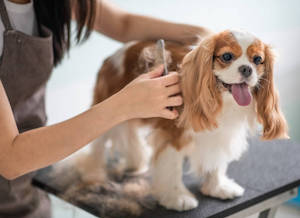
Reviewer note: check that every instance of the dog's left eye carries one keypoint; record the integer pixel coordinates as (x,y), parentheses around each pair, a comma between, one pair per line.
(257,60)
(227,57)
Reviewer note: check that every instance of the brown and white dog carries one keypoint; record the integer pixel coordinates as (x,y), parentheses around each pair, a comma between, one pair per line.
(227,86)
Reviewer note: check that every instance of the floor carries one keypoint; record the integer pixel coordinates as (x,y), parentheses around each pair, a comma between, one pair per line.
(284,211)
(274,21)
(61,209)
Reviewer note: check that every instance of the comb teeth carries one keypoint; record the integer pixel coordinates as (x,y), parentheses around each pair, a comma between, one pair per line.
(160,46)
(161,55)
(161,58)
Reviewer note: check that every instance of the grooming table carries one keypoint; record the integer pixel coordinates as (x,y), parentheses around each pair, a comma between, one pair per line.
(269,171)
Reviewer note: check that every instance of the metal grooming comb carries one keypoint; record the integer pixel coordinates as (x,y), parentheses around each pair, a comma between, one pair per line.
(161,55)
(161,58)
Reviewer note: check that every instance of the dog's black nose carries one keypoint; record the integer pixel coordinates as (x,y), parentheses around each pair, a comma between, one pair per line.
(245,70)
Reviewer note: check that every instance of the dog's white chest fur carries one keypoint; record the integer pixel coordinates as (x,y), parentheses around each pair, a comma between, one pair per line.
(212,149)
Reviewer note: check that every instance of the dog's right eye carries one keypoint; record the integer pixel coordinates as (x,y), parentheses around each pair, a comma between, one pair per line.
(227,57)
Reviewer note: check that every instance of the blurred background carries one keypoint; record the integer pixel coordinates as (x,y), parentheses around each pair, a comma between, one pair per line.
(275,22)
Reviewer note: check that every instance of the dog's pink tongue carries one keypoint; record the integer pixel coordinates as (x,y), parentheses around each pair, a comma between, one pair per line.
(241,94)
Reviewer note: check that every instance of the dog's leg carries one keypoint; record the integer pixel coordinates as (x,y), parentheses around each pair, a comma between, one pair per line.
(168,187)
(218,185)
(92,165)
(133,149)
(138,155)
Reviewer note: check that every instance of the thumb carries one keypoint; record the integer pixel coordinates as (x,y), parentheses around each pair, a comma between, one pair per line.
(156,72)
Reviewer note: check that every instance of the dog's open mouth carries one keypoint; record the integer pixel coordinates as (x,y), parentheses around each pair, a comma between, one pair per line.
(240,92)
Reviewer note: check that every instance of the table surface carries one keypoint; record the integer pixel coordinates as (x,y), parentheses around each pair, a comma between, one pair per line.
(267,169)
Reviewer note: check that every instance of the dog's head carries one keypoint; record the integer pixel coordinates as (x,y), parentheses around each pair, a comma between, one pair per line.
(234,62)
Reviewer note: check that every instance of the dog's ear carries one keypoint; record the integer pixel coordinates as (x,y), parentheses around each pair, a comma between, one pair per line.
(267,102)
(202,98)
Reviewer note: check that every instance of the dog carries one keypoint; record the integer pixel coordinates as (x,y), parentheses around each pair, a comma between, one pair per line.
(227,87)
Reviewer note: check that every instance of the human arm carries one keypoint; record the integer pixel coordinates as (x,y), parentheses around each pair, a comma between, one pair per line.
(146,96)
(124,26)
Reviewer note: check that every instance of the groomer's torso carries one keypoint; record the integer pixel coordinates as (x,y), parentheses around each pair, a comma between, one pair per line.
(22,18)
(25,67)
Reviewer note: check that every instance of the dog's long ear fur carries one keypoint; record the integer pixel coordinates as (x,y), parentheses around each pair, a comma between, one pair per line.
(267,101)
(202,98)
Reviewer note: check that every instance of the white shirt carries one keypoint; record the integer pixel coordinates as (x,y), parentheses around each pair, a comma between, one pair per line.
(22,18)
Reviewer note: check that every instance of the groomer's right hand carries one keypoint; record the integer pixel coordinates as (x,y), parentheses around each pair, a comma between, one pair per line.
(149,94)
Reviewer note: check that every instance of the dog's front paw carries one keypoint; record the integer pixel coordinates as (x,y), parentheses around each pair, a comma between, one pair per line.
(179,201)
(228,189)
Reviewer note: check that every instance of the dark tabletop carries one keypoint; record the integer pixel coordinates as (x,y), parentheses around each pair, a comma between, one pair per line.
(267,169)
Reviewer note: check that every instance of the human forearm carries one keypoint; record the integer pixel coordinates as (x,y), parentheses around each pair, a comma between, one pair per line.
(147,96)
(143,27)
(124,26)
(43,146)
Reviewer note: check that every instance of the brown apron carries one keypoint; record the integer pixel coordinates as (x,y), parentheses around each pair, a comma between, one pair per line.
(25,67)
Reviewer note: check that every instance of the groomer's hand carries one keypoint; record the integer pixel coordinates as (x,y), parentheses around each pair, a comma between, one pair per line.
(149,94)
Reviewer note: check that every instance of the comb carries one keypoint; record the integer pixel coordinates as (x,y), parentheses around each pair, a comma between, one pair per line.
(161,58)
(161,55)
